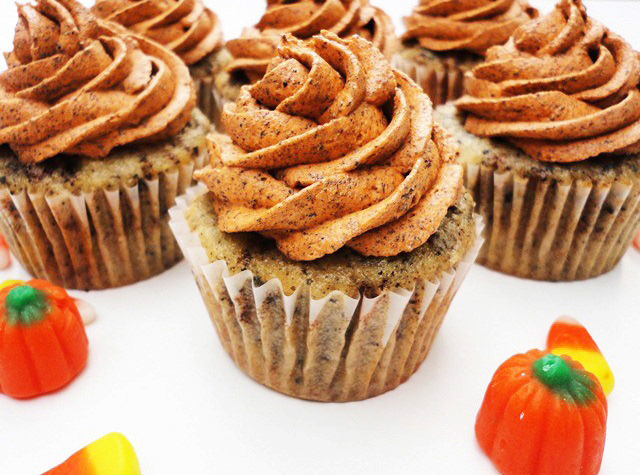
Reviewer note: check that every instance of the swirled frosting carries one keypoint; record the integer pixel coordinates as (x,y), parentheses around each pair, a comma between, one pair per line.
(74,86)
(253,51)
(469,25)
(563,89)
(186,27)
(332,148)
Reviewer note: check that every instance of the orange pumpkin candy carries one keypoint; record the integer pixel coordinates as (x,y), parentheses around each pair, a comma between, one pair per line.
(43,345)
(543,414)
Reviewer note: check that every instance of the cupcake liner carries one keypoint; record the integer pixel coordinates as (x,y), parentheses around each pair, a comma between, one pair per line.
(442,81)
(210,101)
(96,240)
(550,230)
(333,349)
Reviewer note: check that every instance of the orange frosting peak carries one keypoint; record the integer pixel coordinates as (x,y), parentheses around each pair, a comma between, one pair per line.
(333,148)
(186,27)
(75,86)
(564,88)
(253,51)
(469,25)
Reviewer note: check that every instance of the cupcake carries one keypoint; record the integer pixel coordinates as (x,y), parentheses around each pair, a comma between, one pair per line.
(98,136)
(245,60)
(550,143)
(188,28)
(444,40)
(335,230)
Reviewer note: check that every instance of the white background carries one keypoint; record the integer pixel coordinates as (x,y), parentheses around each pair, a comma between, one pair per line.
(157,373)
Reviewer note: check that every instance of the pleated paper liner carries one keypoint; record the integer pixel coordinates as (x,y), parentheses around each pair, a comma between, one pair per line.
(210,101)
(548,230)
(442,79)
(333,349)
(97,240)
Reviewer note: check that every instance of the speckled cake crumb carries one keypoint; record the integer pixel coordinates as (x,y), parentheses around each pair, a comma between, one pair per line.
(344,270)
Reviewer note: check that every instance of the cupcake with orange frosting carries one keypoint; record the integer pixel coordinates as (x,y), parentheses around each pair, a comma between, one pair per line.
(549,134)
(445,39)
(187,27)
(335,229)
(98,136)
(245,60)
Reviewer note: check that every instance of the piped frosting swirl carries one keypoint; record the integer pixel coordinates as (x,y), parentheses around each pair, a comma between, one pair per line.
(253,51)
(186,27)
(468,25)
(563,89)
(77,87)
(332,148)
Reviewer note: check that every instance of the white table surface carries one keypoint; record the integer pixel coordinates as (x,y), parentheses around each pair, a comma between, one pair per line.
(157,373)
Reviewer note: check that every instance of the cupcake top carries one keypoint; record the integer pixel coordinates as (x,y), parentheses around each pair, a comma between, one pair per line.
(253,51)
(466,25)
(186,27)
(75,86)
(332,148)
(563,89)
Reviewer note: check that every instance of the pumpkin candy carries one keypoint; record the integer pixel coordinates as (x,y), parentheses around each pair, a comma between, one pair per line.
(113,454)
(568,337)
(543,414)
(43,345)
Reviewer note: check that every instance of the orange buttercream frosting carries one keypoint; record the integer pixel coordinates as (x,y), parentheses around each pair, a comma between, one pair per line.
(75,86)
(469,25)
(563,89)
(186,27)
(253,51)
(332,148)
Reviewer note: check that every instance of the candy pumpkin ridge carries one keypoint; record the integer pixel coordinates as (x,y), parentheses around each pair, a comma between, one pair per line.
(26,305)
(557,374)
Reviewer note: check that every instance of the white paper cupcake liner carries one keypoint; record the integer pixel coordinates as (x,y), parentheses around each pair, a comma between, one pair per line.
(548,230)
(442,81)
(96,240)
(333,349)
(210,101)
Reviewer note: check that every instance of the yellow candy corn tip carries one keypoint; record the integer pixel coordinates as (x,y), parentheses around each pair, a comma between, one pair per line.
(8,283)
(593,362)
(113,454)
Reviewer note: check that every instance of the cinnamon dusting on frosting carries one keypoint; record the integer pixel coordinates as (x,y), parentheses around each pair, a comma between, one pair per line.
(332,148)
(77,87)
(253,51)
(186,27)
(469,25)
(563,89)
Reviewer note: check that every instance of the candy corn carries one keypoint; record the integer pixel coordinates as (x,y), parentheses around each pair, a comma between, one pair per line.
(5,257)
(568,337)
(110,455)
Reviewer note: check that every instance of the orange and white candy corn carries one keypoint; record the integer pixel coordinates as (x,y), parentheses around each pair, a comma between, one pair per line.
(5,257)
(110,455)
(568,337)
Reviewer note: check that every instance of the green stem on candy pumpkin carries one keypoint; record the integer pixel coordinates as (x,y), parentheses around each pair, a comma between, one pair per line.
(26,305)
(572,384)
